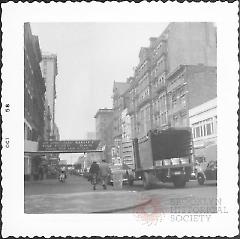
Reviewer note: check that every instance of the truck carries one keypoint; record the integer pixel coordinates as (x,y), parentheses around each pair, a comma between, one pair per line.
(163,155)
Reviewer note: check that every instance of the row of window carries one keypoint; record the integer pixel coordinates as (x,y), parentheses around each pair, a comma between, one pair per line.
(176,79)
(144,79)
(143,120)
(144,94)
(143,83)
(160,104)
(159,67)
(156,50)
(160,80)
(205,128)
(179,97)
(160,119)
(142,66)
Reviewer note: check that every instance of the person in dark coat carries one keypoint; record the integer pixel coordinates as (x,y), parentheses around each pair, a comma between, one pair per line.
(40,173)
(104,173)
(94,174)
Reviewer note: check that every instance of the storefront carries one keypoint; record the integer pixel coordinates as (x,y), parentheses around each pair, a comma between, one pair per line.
(203,121)
(31,162)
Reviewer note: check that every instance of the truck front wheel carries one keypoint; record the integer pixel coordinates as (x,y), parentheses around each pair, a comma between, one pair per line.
(179,181)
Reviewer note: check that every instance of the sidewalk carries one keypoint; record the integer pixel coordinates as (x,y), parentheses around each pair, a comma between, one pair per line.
(86,202)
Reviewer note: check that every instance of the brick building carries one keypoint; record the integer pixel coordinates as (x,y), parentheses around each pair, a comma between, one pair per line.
(188,87)
(179,44)
(34,102)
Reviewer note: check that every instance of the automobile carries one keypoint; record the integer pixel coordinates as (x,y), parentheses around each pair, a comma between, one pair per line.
(123,171)
(207,173)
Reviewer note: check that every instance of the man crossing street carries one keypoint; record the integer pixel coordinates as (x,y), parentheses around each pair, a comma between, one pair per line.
(104,173)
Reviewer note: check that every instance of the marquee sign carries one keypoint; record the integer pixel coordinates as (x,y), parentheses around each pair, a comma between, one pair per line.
(69,146)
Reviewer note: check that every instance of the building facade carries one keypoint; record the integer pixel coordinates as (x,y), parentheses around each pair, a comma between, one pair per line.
(126,144)
(56,132)
(49,71)
(203,121)
(104,131)
(188,87)
(34,102)
(179,44)
(120,102)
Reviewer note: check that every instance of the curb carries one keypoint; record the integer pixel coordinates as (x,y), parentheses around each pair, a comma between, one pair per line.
(123,208)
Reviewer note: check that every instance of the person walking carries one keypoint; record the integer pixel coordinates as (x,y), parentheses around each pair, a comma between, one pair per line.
(104,173)
(94,173)
(40,172)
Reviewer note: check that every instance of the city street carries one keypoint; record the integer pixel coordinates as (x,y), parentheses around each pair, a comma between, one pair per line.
(76,196)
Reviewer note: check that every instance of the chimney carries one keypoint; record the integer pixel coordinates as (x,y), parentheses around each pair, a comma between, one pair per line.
(152,41)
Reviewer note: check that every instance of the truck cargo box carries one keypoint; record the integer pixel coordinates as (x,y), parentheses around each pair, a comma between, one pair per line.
(162,145)
(171,143)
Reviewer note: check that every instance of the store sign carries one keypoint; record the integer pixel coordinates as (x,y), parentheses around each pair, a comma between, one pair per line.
(69,146)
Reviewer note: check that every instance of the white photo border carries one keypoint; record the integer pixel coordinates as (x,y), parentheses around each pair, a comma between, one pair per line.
(15,222)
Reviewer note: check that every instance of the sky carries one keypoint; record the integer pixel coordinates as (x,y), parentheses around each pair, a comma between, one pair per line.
(91,56)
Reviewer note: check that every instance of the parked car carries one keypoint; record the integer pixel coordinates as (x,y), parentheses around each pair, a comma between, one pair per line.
(207,173)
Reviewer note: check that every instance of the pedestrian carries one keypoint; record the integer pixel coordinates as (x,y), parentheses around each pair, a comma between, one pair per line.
(40,173)
(94,174)
(104,173)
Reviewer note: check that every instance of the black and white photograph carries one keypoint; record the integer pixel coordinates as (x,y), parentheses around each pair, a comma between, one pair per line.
(89,131)
(121,120)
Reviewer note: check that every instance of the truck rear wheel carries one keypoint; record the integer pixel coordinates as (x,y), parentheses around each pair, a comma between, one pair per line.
(179,181)
(148,180)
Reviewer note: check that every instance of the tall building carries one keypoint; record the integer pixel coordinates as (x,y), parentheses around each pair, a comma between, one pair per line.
(120,102)
(90,135)
(49,71)
(56,132)
(104,131)
(34,91)
(188,43)
(47,121)
(179,44)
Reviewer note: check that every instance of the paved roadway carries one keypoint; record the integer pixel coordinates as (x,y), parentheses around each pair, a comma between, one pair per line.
(162,198)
